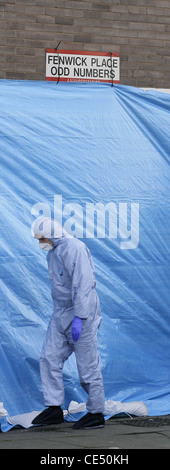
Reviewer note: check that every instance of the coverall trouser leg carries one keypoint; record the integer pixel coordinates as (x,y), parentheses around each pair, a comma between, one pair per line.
(56,350)
(89,368)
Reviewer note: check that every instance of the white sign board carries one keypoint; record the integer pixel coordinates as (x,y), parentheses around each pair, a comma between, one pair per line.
(84,66)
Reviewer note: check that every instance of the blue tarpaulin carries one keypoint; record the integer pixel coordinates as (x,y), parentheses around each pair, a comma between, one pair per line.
(99,157)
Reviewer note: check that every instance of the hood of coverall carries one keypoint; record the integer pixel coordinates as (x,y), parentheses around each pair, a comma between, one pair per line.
(49,228)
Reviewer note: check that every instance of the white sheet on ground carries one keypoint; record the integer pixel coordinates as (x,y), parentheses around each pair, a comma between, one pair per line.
(111,408)
(137,408)
(3,412)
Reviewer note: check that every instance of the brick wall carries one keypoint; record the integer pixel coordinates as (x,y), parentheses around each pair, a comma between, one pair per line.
(138,29)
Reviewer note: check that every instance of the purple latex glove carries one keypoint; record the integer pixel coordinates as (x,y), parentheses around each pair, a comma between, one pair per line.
(76,328)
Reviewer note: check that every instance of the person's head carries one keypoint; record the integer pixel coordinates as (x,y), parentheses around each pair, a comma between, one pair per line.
(49,232)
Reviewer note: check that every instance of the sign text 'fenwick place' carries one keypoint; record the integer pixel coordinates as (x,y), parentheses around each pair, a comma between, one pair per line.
(84,66)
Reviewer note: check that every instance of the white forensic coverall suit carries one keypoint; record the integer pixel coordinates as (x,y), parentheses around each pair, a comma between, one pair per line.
(71,273)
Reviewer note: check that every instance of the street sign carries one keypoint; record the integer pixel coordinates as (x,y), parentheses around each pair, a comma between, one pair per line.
(84,66)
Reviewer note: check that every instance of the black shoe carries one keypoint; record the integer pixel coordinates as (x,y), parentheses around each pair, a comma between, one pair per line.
(51,415)
(90,420)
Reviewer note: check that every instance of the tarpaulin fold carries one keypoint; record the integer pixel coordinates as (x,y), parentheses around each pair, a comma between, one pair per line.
(89,144)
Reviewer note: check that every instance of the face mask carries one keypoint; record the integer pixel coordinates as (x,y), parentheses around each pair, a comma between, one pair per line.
(45,246)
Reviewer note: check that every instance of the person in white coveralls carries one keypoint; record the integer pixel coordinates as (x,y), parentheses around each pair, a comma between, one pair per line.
(73,325)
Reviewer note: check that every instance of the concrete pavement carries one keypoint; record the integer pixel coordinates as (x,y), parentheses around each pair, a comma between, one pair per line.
(118,433)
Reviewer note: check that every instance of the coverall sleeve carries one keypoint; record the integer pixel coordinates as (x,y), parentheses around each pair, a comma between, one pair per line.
(79,265)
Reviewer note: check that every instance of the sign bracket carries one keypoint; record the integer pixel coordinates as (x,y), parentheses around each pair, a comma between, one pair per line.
(111,68)
(56,49)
